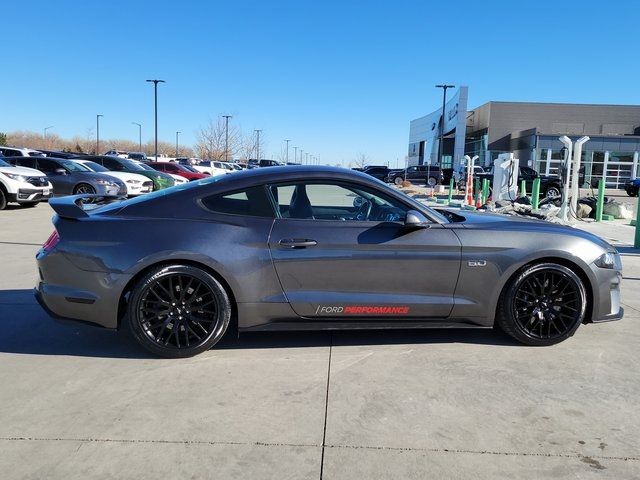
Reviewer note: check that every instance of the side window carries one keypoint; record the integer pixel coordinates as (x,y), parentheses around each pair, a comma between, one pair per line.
(47,166)
(330,201)
(25,162)
(112,164)
(252,202)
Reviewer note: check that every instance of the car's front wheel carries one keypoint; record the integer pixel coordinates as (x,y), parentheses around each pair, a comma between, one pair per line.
(398,181)
(553,192)
(178,311)
(543,305)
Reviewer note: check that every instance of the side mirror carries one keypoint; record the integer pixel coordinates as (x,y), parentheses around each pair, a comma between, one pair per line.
(415,219)
(60,171)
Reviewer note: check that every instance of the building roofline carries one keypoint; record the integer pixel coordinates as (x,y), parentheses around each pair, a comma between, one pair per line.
(557,103)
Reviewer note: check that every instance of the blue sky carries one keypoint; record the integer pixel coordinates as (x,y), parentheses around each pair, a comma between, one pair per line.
(338,78)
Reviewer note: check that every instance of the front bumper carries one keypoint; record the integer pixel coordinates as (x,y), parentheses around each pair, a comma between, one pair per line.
(29,195)
(608,306)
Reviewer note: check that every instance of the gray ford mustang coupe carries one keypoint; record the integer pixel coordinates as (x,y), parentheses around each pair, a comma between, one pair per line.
(315,248)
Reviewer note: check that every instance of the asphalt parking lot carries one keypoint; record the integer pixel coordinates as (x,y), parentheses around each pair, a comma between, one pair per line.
(80,402)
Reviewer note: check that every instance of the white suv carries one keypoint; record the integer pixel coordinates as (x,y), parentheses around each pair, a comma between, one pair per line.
(19,152)
(22,185)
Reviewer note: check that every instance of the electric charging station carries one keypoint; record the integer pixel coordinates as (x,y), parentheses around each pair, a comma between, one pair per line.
(506,169)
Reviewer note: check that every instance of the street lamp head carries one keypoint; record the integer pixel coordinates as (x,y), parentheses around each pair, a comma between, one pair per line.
(156,81)
(445,86)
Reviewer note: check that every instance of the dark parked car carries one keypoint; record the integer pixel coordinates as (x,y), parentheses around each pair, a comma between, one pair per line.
(56,154)
(430,175)
(316,248)
(117,164)
(550,186)
(632,187)
(71,178)
(177,169)
(380,172)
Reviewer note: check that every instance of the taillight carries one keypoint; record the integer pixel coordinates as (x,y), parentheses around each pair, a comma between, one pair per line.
(52,241)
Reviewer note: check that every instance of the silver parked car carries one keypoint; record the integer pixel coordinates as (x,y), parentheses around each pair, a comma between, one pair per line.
(316,248)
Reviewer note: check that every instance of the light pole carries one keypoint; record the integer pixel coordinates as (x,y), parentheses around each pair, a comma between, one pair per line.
(177,133)
(295,154)
(287,150)
(444,101)
(139,135)
(306,158)
(98,133)
(45,131)
(301,157)
(226,137)
(258,144)
(155,97)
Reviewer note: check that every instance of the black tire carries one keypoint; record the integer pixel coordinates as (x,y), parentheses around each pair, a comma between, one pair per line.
(3,199)
(432,181)
(553,191)
(549,297)
(83,188)
(154,319)
(398,181)
(632,193)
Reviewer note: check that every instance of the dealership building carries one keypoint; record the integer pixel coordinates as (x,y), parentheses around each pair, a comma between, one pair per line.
(532,131)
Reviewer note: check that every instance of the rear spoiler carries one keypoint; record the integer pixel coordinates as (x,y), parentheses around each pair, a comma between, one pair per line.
(78,206)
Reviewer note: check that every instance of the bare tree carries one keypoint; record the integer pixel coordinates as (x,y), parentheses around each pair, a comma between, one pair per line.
(361,160)
(212,140)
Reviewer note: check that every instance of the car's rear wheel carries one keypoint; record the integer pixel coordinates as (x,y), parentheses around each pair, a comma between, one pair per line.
(178,311)
(543,305)
(398,181)
(432,181)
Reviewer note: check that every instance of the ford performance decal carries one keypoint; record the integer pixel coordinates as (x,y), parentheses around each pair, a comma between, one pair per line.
(362,310)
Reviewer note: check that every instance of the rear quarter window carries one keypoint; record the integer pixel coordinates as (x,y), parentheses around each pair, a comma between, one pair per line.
(251,202)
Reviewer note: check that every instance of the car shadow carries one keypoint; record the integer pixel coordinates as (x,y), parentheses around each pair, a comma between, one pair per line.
(27,329)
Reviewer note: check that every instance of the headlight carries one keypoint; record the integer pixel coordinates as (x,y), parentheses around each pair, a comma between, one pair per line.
(134,182)
(609,260)
(107,183)
(16,177)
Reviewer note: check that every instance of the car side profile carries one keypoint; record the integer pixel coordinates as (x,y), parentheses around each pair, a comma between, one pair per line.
(298,248)
(136,184)
(118,164)
(177,169)
(211,167)
(70,178)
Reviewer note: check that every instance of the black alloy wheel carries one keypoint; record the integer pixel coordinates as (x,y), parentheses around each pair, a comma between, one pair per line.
(178,311)
(544,305)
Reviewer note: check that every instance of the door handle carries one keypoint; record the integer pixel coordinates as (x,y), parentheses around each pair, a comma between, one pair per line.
(297,243)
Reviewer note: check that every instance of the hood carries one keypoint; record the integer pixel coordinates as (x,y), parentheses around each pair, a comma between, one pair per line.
(103,176)
(27,172)
(502,223)
(124,176)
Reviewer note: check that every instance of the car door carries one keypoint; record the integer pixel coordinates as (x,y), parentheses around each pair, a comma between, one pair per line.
(62,183)
(335,256)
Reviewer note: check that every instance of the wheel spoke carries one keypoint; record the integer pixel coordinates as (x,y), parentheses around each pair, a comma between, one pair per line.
(162,315)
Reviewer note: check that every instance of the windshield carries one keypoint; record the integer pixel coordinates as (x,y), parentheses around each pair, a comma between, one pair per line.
(73,166)
(144,166)
(96,167)
(132,165)
(190,168)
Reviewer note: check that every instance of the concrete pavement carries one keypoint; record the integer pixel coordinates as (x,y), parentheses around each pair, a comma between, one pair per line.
(80,402)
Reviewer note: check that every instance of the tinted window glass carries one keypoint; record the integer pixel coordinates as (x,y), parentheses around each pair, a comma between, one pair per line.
(112,164)
(252,202)
(47,166)
(25,162)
